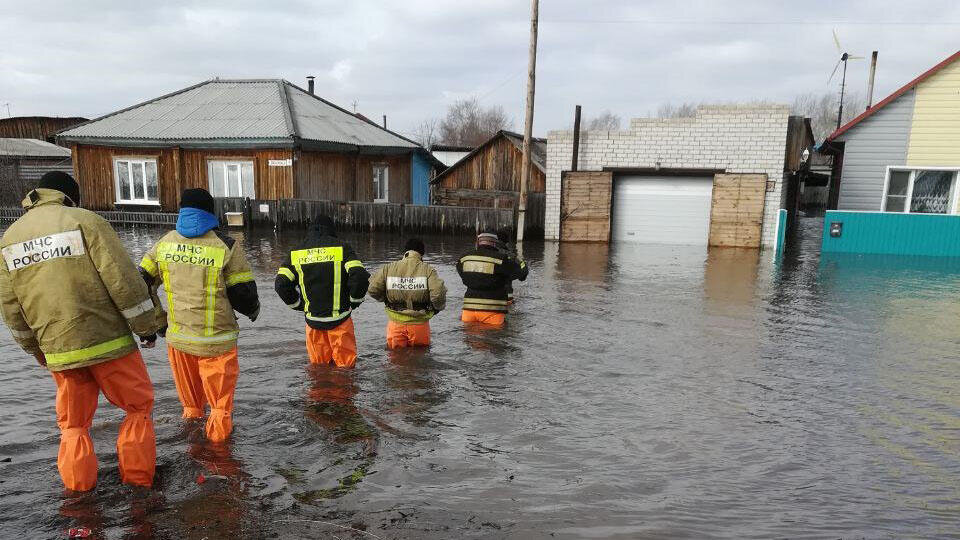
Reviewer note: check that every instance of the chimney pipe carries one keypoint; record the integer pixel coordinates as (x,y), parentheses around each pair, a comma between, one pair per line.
(576,139)
(310,84)
(384,121)
(873,73)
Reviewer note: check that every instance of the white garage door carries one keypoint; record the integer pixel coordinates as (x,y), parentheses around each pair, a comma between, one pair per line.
(662,210)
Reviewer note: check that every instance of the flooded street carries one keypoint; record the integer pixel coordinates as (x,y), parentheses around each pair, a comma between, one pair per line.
(636,392)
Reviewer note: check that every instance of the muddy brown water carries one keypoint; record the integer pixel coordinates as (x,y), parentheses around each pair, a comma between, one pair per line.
(636,392)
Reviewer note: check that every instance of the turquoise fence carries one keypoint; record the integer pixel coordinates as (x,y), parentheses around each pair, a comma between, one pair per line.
(891,233)
(781,232)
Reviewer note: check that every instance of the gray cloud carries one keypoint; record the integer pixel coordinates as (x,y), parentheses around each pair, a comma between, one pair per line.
(410,59)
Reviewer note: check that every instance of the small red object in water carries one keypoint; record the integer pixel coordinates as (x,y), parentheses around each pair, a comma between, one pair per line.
(201,478)
(79,532)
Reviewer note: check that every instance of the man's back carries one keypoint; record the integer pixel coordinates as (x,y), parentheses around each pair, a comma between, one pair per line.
(410,288)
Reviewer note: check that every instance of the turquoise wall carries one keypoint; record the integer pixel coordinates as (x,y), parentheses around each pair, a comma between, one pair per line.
(893,234)
(420,181)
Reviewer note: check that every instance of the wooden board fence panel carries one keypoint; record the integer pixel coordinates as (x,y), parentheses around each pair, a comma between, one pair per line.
(353,216)
(736,213)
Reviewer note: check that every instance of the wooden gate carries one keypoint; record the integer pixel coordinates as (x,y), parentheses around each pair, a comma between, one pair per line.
(736,214)
(585,206)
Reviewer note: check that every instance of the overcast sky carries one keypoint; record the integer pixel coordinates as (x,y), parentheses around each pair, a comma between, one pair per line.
(409,59)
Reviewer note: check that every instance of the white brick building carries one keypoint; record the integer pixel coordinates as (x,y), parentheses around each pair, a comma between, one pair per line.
(734,139)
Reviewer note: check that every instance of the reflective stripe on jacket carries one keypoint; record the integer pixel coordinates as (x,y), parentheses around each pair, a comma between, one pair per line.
(488,274)
(410,289)
(68,288)
(324,279)
(205,279)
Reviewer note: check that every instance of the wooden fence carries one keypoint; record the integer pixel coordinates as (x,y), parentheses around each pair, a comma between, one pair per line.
(355,216)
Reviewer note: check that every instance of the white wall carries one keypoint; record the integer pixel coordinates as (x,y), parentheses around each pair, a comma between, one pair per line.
(739,139)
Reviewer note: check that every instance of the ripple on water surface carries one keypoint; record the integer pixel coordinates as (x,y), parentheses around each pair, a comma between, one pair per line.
(636,392)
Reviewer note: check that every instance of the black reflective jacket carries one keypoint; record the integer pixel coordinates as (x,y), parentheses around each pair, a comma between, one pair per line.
(324,279)
(488,273)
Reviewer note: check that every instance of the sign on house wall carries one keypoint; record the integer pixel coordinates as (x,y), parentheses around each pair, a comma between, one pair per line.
(280,162)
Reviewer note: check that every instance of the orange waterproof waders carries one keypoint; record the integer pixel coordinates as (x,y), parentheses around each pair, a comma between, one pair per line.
(492,318)
(125,383)
(202,380)
(337,345)
(410,334)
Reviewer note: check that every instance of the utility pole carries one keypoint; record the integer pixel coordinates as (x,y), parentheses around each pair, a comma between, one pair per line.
(528,124)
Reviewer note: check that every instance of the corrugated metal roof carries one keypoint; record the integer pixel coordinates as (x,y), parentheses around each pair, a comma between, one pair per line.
(320,120)
(237,111)
(32,148)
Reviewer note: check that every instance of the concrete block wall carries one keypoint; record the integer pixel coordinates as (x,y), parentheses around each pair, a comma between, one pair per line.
(737,138)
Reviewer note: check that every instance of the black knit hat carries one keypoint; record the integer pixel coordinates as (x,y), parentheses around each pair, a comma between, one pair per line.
(62,182)
(198,198)
(415,244)
(323,222)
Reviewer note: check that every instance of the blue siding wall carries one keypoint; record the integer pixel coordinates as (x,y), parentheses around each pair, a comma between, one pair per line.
(878,141)
(420,179)
(893,233)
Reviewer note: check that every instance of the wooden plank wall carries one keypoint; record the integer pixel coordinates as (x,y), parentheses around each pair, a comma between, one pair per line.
(736,214)
(585,206)
(349,177)
(36,127)
(177,169)
(494,167)
(269,182)
(369,217)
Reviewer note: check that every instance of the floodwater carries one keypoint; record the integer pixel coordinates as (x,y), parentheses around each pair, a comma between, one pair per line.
(637,392)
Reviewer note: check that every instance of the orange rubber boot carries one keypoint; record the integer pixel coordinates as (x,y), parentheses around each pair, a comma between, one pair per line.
(401,335)
(201,380)
(492,318)
(337,345)
(125,383)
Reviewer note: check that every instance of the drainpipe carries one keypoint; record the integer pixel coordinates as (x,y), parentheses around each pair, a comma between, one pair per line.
(873,73)
(576,139)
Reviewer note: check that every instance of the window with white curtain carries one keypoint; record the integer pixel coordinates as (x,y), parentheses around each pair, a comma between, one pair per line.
(381,183)
(231,178)
(920,191)
(136,181)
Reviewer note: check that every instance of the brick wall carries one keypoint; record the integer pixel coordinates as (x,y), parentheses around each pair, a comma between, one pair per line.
(737,138)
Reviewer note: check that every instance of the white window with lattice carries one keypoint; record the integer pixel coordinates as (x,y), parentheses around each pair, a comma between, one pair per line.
(921,190)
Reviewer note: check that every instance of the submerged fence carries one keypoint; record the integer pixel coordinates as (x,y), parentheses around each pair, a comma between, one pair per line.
(356,216)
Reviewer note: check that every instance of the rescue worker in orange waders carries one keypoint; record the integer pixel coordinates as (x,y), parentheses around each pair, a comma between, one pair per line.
(71,296)
(326,281)
(488,273)
(206,279)
(412,294)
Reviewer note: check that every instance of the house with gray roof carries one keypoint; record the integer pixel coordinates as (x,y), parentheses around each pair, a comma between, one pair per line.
(253,138)
(23,162)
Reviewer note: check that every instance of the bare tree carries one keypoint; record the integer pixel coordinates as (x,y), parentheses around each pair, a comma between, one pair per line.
(822,110)
(426,133)
(684,110)
(605,121)
(469,124)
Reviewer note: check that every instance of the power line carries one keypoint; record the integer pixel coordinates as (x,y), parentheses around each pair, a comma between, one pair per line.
(798,22)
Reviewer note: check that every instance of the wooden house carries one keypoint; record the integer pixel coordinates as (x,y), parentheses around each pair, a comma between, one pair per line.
(42,128)
(255,138)
(490,174)
(23,162)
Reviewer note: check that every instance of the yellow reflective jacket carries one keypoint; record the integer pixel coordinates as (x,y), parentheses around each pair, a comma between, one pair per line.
(410,289)
(68,288)
(205,279)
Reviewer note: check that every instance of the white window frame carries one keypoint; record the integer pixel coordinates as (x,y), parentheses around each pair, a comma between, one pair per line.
(130,160)
(954,192)
(386,182)
(239,164)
